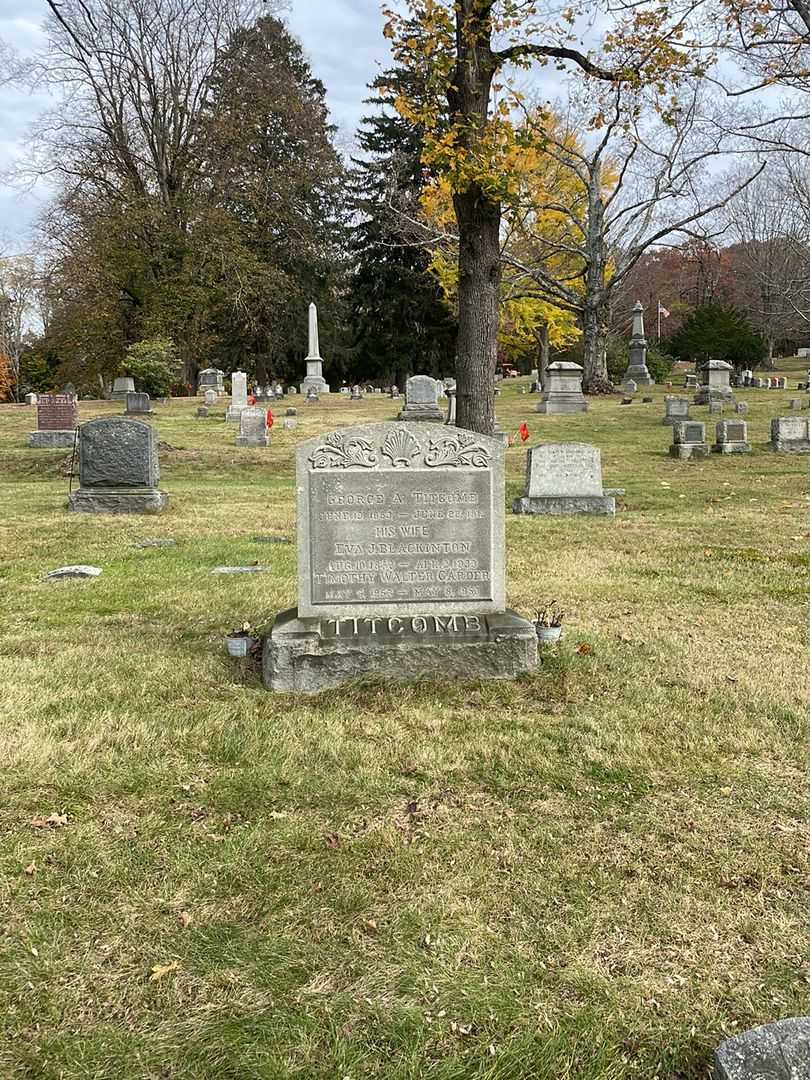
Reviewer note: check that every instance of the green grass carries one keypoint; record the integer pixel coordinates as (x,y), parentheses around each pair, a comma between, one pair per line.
(594,873)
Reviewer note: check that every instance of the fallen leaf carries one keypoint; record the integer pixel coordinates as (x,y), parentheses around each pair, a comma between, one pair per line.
(159,970)
(184,918)
(370,926)
(725,791)
(584,649)
(31,869)
(52,821)
(412,807)
(332,840)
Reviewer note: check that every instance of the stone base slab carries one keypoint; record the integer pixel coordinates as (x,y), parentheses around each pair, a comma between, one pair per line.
(52,440)
(233,413)
(639,375)
(550,408)
(732,448)
(118,501)
(432,415)
(246,440)
(687,451)
(791,446)
(307,656)
(565,504)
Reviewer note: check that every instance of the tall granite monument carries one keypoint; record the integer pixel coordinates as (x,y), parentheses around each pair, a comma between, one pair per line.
(637,370)
(314,379)
(400,562)
(118,468)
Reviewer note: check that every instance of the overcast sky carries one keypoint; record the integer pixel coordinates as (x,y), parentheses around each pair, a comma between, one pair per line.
(343,39)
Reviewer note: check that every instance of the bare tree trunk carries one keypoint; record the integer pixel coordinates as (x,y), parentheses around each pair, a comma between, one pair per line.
(544,355)
(479,264)
(594,333)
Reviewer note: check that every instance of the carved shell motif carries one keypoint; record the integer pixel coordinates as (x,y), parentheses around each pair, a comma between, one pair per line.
(339,452)
(400,447)
(457,451)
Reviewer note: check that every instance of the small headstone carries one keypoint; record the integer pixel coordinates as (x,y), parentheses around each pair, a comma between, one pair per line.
(118,468)
(30,399)
(732,437)
(690,382)
(211,379)
(57,419)
(563,392)
(630,387)
(138,405)
(252,428)
(202,411)
(210,398)
(401,568)
(627,401)
(394,393)
(647,401)
(688,440)
(279,390)
(779,1051)
(715,407)
(676,410)
(564,478)
(421,399)
(272,540)
(312,396)
(790,435)
(741,407)
(795,404)
(356,394)
(73,572)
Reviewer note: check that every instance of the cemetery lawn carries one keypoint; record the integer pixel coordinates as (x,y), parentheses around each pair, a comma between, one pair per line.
(596,872)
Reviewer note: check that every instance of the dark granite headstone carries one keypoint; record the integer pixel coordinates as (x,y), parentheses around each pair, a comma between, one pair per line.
(779,1051)
(118,468)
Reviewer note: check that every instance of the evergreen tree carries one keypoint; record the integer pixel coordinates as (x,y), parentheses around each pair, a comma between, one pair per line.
(400,322)
(713,332)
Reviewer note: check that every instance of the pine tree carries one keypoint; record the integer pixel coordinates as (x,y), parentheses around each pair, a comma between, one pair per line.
(400,322)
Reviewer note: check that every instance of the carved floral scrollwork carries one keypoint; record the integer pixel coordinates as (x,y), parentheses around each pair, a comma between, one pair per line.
(457,451)
(339,452)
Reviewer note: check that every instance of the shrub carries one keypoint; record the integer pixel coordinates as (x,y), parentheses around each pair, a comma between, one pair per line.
(154,365)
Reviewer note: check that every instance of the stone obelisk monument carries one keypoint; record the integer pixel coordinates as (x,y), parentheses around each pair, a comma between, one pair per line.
(314,377)
(637,369)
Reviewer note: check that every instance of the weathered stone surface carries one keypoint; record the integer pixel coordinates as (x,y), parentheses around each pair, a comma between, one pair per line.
(121,387)
(400,520)
(716,376)
(637,370)
(732,438)
(73,572)
(272,540)
(210,398)
(138,405)
(309,655)
(239,396)
(52,440)
(779,1051)
(790,435)
(421,399)
(564,478)
(202,412)
(689,440)
(252,428)
(676,410)
(156,544)
(118,468)
(314,379)
(563,393)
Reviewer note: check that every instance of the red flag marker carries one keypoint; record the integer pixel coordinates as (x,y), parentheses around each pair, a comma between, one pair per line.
(523,431)
(270,418)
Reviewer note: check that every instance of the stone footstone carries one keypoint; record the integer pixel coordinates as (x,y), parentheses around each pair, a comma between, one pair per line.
(79,571)
(156,544)
(220,571)
(271,540)
(307,656)
(51,440)
(779,1051)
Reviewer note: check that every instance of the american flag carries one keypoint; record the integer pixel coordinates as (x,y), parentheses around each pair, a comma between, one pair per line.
(663,311)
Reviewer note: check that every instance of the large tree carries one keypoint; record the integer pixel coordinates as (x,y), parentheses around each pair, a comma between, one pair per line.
(400,322)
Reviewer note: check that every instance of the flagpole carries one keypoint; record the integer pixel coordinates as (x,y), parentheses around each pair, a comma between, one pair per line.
(659,320)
